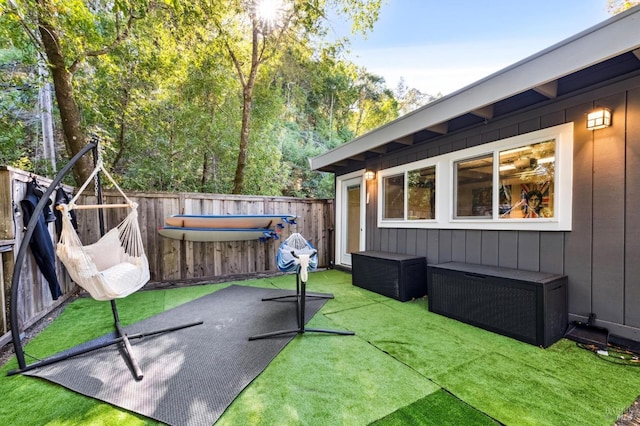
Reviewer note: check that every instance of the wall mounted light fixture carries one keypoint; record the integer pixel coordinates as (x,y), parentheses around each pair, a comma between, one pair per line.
(369,175)
(599,119)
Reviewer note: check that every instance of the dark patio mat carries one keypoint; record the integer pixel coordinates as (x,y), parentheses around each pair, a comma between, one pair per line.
(191,375)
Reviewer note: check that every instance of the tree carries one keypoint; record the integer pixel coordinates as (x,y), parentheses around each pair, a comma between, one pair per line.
(266,29)
(376,104)
(254,31)
(158,98)
(318,94)
(187,97)
(411,99)
(65,34)
(616,6)
(18,117)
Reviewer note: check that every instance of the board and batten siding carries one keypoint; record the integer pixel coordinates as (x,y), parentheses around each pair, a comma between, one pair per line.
(600,255)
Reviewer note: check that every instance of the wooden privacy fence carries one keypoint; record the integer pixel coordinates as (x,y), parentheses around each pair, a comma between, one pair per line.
(170,261)
(34,299)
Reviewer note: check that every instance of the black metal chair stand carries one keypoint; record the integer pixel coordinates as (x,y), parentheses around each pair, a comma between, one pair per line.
(120,337)
(294,297)
(301,299)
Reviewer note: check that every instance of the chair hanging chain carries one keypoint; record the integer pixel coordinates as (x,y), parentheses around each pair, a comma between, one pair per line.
(95,186)
(96,178)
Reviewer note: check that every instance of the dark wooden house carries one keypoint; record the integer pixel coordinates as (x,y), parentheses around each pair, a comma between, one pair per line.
(534,168)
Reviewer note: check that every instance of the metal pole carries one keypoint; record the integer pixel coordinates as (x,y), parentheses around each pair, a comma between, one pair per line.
(15,280)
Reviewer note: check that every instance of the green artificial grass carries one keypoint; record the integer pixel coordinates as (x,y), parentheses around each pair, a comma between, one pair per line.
(405,365)
(440,405)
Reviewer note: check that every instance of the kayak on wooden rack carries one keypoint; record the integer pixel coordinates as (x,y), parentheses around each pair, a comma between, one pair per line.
(217,234)
(244,221)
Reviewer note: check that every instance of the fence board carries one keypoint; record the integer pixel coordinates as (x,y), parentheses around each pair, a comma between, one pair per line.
(33,297)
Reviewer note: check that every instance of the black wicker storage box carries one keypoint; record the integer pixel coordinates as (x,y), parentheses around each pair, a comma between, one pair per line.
(525,305)
(400,276)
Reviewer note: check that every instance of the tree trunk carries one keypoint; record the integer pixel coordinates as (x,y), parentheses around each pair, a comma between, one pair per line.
(238,181)
(360,114)
(247,100)
(123,127)
(46,117)
(69,113)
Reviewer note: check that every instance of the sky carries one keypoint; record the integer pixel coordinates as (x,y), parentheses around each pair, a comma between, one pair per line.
(442,46)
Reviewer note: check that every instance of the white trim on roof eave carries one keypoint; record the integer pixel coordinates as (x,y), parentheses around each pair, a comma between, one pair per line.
(603,41)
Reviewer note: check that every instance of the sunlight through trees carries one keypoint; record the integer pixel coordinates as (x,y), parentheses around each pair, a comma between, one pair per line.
(226,97)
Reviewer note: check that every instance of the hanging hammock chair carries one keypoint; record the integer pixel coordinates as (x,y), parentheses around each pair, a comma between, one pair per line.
(111,268)
(114,266)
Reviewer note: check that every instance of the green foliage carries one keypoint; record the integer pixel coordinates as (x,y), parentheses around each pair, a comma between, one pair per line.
(375,104)
(617,6)
(19,121)
(165,91)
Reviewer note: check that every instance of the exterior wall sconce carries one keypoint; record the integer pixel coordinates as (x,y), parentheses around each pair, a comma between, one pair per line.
(369,175)
(599,119)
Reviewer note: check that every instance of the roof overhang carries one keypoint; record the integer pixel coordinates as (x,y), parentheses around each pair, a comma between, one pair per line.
(539,73)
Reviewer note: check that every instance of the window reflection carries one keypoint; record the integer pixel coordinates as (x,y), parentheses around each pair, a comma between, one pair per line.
(422,193)
(474,187)
(393,197)
(527,181)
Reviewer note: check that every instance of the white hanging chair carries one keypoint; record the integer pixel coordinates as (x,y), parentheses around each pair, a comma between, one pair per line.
(114,266)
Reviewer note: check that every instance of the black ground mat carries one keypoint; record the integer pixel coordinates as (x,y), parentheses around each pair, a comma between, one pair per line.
(190,375)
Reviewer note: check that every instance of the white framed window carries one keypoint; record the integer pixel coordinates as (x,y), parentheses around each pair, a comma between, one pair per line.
(421,193)
(394,197)
(527,181)
(519,183)
(408,193)
(473,187)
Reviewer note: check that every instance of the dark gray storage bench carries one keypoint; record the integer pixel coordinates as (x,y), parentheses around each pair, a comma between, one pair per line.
(396,275)
(528,306)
